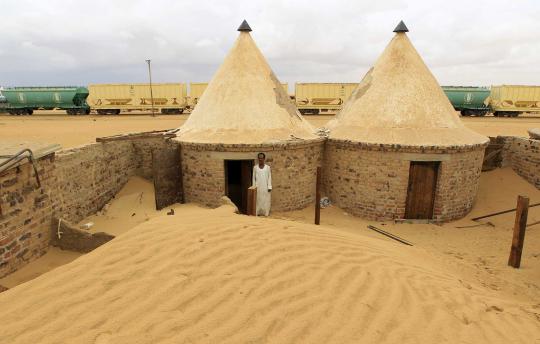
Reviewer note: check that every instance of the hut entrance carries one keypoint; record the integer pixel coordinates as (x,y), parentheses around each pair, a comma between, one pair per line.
(421,190)
(238,174)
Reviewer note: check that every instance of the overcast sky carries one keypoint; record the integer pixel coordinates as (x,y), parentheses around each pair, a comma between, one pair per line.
(74,42)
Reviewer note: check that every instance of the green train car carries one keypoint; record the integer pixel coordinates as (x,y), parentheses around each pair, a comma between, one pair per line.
(470,101)
(24,100)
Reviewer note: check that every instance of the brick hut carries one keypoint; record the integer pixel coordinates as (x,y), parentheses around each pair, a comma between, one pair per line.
(398,150)
(244,111)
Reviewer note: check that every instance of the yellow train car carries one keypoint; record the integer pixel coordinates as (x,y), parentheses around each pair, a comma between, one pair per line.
(168,98)
(322,98)
(511,100)
(196,90)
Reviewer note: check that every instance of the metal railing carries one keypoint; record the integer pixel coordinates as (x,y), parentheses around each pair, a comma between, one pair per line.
(12,160)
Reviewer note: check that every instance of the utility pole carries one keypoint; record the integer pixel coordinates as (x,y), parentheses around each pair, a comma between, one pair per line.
(151,93)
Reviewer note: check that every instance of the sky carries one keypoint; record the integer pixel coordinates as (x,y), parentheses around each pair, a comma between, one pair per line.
(74,42)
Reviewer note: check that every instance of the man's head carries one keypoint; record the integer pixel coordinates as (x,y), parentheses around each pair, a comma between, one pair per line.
(261,157)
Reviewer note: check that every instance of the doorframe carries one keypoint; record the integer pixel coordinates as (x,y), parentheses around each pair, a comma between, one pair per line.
(226,172)
(435,188)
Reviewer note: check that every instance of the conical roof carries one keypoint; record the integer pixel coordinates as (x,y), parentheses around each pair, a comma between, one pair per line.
(245,103)
(400,102)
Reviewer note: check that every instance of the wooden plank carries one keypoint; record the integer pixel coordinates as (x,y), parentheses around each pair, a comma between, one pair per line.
(167,174)
(519,231)
(252,201)
(167,133)
(501,212)
(421,189)
(390,235)
(318,197)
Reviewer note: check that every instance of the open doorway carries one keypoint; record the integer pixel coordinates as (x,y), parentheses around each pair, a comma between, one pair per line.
(238,174)
(421,191)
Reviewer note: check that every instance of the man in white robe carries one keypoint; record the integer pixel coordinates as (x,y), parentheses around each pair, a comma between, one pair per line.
(262,179)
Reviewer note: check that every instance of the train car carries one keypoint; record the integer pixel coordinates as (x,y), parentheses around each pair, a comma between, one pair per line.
(322,98)
(469,100)
(196,90)
(511,100)
(169,98)
(3,103)
(24,100)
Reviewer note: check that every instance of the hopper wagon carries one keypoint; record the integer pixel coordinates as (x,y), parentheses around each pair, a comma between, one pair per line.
(168,98)
(3,103)
(470,101)
(322,98)
(24,100)
(196,90)
(512,100)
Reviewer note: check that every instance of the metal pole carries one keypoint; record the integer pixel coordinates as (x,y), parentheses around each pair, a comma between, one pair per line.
(151,93)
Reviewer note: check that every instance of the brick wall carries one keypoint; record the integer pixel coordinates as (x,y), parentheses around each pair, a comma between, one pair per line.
(89,176)
(457,185)
(76,183)
(25,213)
(523,155)
(371,181)
(294,170)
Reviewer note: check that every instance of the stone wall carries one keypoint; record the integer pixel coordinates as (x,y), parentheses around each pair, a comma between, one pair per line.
(523,155)
(67,236)
(372,182)
(457,185)
(294,170)
(26,212)
(89,176)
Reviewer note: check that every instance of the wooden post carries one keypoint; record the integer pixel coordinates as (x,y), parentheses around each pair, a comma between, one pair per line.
(252,201)
(520,224)
(318,197)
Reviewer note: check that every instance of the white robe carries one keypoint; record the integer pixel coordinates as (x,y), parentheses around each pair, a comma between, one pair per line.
(262,179)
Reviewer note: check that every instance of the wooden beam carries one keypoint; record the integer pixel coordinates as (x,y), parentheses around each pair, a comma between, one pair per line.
(252,201)
(318,196)
(146,134)
(501,212)
(390,235)
(519,231)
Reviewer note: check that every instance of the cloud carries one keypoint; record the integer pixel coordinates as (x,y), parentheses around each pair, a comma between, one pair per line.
(59,42)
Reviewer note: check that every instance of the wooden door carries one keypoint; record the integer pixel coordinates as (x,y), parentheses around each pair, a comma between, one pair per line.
(421,190)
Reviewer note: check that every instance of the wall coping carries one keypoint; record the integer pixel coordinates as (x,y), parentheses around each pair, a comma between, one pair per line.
(270,146)
(405,148)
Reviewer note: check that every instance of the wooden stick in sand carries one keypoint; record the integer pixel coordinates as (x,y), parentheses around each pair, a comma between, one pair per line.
(390,235)
(519,231)
(318,197)
(502,212)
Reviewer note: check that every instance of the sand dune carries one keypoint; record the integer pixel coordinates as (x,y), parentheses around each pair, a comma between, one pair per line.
(210,276)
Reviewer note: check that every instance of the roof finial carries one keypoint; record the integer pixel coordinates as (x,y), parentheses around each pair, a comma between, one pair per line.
(401,27)
(244,27)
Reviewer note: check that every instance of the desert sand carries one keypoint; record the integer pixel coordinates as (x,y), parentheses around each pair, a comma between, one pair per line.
(71,131)
(212,276)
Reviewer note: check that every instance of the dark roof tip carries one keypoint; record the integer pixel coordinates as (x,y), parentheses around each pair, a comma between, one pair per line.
(244,27)
(401,27)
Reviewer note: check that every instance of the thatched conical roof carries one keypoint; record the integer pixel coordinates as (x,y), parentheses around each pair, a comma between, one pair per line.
(400,102)
(245,103)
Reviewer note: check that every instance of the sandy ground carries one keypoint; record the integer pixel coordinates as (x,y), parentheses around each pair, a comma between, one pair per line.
(209,276)
(70,131)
